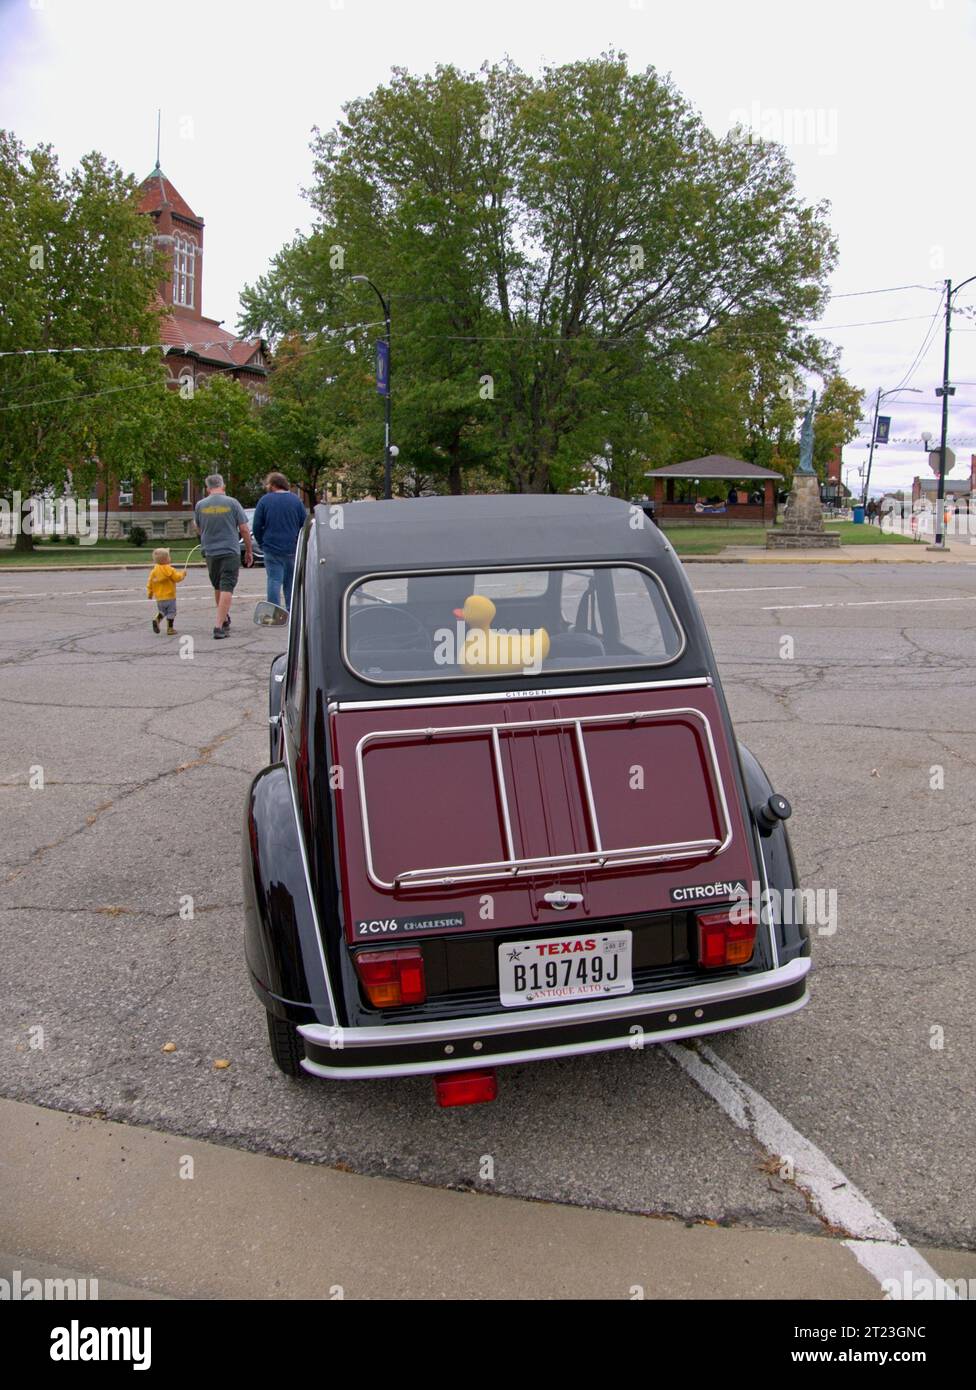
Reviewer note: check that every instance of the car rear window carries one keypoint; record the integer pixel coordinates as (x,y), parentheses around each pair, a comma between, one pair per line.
(435,626)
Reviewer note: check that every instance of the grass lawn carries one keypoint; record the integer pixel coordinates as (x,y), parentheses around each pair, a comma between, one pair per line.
(687,540)
(101,553)
(712,540)
(866,535)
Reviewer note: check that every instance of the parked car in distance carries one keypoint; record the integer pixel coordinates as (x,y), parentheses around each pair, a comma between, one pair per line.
(255,548)
(506,817)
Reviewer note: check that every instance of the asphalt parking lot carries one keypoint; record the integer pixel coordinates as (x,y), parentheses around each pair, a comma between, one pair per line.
(854,684)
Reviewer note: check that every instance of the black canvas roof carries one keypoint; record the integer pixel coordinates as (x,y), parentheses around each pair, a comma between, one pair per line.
(450,532)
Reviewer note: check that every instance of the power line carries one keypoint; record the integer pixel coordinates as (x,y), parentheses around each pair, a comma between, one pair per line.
(111,391)
(121,347)
(864,323)
(926,343)
(890,289)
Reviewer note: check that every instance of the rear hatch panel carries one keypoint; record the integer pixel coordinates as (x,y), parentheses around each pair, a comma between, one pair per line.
(461,817)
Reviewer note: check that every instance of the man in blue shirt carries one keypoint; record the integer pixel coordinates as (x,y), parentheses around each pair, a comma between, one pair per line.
(278,521)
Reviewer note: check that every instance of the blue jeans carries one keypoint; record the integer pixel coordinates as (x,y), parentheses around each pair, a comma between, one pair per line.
(279,572)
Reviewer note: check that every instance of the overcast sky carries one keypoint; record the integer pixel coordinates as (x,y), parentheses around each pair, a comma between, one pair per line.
(886,85)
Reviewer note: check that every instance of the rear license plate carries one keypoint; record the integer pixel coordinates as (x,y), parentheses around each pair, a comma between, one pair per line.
(590,966)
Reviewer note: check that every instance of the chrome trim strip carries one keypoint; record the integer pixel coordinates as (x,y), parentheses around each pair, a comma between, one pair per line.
(496,748)
(767,898)
(546,693)
(584,763)
(552,1016)
(597,857)
(541,1054)
(512,568)
(308,888)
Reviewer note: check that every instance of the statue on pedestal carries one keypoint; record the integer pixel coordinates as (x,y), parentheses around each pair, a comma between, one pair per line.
(803,526)
(806,438)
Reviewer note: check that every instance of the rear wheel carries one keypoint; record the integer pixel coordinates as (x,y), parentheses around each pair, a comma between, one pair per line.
(286,1045)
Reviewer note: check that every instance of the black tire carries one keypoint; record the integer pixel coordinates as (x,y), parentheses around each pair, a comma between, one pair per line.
(286,1045)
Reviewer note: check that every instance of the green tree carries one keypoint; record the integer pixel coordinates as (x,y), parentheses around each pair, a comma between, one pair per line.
(835,420)
(559,253)
(216,429)
(315,420)
(77,270)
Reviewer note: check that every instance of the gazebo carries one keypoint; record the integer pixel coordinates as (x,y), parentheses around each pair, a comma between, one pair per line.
(722,471)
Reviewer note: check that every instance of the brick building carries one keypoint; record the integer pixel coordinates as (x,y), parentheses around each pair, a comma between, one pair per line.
(956,489)
(198,346)
(833,490)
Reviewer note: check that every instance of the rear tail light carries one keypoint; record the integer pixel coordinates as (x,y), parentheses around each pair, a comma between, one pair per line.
(465,1087)
(392,977)
(724,939)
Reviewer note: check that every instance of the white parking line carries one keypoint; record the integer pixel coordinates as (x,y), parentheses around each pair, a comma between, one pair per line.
(180,598)
(80,593)
(752,589)
(868,603)
(111,602)
(874,1242)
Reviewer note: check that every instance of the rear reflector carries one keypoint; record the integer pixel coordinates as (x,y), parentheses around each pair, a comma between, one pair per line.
(722,941)
(392,977)
(465,1087)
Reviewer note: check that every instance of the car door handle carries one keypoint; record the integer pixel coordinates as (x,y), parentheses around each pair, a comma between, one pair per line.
(561,900)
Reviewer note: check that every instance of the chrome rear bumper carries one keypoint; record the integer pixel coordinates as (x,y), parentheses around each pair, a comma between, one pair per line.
(524,1035)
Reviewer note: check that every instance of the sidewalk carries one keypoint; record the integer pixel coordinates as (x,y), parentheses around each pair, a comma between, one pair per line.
(959,552)
(90,1198)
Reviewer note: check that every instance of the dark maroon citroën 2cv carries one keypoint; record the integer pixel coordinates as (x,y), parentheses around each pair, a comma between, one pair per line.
(506,817)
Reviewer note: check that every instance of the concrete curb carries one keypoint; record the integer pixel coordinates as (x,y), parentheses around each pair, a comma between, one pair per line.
(144,1210)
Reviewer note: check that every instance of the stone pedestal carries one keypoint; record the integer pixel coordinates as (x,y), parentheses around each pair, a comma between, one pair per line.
(802,526)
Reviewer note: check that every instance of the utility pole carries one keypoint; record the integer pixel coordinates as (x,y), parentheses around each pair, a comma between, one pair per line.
(945,393)
(882,395)
(874,431)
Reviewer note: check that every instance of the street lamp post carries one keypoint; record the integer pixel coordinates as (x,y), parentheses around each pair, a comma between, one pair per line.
(914,390)
(945,391)
(388,413)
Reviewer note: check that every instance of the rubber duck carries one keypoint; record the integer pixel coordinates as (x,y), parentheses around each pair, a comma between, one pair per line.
(485,649)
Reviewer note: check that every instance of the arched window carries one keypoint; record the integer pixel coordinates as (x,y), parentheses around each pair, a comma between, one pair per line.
(184,271)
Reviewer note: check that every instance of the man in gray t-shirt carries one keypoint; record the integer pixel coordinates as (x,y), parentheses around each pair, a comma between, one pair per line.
(222,524)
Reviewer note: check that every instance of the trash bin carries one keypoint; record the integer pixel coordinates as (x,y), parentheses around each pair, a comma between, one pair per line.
(858,516)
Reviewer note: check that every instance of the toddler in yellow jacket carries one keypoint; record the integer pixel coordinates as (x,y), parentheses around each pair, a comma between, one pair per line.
(161,585)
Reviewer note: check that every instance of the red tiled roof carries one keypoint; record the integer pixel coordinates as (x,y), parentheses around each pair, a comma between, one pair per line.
(157,191)
(207,340)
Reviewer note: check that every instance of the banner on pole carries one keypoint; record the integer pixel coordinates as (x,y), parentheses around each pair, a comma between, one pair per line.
(383,367)
(884,429)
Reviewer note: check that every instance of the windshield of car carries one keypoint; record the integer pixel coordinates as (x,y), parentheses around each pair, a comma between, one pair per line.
(470,624)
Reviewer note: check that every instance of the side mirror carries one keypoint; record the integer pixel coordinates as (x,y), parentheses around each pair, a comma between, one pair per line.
(269,615)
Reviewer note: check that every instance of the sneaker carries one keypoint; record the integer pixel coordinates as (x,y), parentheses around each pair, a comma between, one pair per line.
(155,622)
(219,632)
(227,621)
(170,630)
